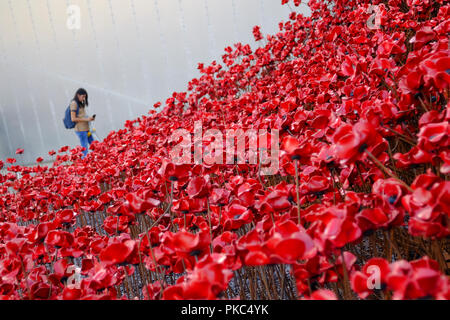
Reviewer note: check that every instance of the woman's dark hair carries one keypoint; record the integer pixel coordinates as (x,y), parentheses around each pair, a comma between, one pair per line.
(81,92)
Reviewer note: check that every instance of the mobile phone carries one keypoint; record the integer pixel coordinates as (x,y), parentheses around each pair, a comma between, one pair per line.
(94,116)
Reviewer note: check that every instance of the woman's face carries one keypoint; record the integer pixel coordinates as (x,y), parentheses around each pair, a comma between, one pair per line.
(82,97)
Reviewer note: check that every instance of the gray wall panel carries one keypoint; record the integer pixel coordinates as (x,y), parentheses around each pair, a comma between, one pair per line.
(128,54)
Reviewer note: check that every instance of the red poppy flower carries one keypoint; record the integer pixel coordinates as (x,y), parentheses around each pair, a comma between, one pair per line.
(415,280)
(317,184)
(152,291)
(197,187)
(257,33)
(207,281)
(63,149)
(373,276)
(65,216)
(352,141)
(422,37)
(71,294)
(294,149)
(348,66)
(288,243)
(276,200)
(116,224)
(40,291)
(137,204)
(219,196)
(236,216)
(174,172)
(322,294)
(118,252)
(60,239)
(336,230)
(434,135)
(102,279)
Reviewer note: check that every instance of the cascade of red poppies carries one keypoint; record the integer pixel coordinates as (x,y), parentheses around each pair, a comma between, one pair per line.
(363,183)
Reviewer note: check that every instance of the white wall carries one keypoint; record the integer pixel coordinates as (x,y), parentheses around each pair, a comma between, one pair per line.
(128,54)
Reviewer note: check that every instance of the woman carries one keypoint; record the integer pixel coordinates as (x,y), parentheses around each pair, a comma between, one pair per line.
(80,101)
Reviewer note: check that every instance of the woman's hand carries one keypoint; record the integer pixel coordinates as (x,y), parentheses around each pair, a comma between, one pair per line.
(90,119)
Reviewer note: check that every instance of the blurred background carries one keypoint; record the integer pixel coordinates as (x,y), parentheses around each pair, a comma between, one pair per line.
(128,54)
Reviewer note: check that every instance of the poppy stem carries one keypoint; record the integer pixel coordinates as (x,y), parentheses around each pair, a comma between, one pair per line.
(334,189)
(127,285)
(387,171)
(335,185)
(402,136)
(25,278)
(389,236)
(354,51)
(388,247)
(392,89)
(297,191)
(392,159)
(309,287)
(281,279)
(363,182)
(264,280)
(251,288)
(54,260)
(237,171)
(144,278)
(171,201)
(157,267)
